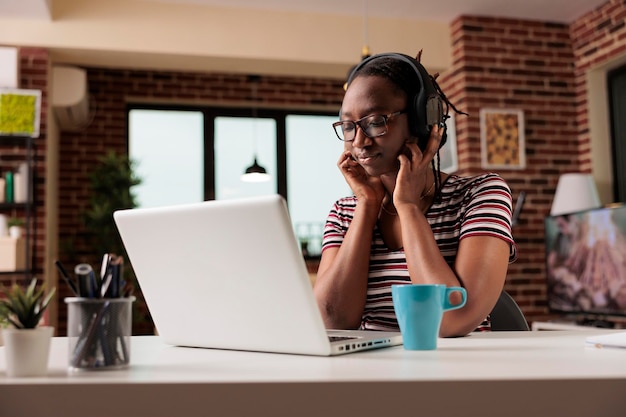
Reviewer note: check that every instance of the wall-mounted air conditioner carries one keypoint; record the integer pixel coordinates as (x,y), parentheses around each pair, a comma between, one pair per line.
(70,98)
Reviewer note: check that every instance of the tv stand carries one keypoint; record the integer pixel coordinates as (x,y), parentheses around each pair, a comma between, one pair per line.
(605,324)
(556,325)
(574,324)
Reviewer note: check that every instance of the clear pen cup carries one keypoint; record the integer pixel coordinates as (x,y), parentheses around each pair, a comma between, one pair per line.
(99,332)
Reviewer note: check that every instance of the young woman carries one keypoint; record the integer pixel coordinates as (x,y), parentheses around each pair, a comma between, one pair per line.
(407,221)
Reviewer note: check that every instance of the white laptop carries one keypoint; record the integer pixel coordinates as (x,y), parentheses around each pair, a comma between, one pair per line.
(229,274)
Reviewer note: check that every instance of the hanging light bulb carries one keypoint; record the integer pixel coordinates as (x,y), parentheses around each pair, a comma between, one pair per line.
(255,172)
(365,50)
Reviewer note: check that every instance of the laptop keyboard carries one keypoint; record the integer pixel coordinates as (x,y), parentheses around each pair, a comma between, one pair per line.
(339,338)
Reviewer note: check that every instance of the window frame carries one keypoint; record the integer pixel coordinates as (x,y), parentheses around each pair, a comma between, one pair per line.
(211,112)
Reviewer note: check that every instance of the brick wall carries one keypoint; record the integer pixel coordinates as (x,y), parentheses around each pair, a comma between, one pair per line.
(598,37)
(540,68)
(527,65)
(34,67)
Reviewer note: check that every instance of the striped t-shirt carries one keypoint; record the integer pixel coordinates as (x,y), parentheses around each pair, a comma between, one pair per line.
(470,206)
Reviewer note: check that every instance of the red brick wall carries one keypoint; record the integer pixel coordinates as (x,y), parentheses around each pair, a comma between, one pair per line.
(540,68)
(513,64)
(598,37)
(34,66)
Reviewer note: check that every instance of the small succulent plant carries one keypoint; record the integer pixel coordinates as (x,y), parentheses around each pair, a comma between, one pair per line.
(15,221)
(23,308)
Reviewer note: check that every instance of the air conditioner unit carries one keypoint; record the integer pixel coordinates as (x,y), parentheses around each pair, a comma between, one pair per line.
(70,98)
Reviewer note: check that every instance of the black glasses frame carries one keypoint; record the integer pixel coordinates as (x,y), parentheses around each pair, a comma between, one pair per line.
(371,118)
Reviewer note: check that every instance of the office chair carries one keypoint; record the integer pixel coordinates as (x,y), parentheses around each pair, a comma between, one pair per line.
(506,315)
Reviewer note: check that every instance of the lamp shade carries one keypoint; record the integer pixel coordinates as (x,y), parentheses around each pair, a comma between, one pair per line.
(575,192)
(255,173)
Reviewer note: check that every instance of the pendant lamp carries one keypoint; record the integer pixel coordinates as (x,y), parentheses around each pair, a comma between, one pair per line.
(255,172)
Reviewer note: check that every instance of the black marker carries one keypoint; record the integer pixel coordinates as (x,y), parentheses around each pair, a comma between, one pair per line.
(86,280)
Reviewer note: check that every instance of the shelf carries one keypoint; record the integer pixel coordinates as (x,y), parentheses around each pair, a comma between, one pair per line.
(17,272)
(13,206)
(24,209)
(15,140)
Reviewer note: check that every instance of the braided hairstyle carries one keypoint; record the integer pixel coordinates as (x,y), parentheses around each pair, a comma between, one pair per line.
(406,82)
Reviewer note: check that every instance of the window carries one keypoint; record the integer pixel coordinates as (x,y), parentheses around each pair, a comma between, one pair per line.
(192,155)
(167,148)
(239,141)
(314,182)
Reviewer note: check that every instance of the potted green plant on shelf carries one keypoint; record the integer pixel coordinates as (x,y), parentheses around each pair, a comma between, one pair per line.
(27,344)
(15,225)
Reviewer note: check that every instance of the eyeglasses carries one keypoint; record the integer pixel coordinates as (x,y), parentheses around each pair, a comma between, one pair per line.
(373,126)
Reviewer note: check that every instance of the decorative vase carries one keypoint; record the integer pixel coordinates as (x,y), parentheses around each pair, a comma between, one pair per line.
(15,232)
(27,350)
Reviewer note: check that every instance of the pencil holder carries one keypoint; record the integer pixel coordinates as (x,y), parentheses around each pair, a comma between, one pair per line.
(99,331)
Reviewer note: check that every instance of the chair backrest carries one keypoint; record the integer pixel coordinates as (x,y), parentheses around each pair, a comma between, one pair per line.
(506,315)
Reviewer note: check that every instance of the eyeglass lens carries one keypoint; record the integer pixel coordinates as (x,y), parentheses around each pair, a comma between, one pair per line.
(373,126)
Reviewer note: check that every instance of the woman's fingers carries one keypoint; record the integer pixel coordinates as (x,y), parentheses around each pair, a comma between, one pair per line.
(435,140)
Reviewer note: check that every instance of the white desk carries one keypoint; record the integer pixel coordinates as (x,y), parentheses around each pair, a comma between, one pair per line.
(503,373)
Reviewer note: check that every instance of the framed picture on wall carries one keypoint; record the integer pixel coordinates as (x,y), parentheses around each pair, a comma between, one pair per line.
(502,138)
(20,112)
(448,153)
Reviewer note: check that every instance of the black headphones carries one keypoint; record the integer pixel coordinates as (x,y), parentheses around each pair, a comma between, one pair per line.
(424,109)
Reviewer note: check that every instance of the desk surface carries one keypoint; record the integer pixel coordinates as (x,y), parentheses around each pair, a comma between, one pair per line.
(522,373)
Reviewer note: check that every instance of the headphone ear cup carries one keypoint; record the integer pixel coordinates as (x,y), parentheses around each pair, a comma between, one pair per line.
(420,127)
(435,115)
(413,117)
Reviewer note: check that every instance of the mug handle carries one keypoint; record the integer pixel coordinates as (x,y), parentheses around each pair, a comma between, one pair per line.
(446,302)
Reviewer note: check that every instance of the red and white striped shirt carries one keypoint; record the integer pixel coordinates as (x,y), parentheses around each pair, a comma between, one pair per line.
(470,206)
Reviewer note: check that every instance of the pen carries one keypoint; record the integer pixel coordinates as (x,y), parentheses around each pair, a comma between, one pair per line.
(86,280)
(116,264)
(104,267)
(66,277)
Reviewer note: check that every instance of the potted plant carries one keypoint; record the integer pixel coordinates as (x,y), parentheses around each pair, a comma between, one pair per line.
(15,227)
(27,345)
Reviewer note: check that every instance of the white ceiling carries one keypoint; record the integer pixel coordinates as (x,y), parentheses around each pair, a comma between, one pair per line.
(437,10)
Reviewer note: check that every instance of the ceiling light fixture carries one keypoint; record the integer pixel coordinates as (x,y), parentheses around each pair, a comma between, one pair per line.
(255,172)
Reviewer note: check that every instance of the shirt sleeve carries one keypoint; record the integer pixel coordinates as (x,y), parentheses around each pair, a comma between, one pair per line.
(337,223)
(489,212)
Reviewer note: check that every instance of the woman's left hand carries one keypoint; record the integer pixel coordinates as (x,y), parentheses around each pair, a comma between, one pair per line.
(412,181)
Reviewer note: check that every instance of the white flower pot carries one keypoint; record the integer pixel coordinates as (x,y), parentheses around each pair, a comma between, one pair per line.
(27,350)
(15,232)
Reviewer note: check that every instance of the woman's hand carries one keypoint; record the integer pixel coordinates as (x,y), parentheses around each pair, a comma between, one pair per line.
(413,179)
(364,186)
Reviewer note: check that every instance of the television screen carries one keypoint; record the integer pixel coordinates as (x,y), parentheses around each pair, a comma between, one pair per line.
(586,261)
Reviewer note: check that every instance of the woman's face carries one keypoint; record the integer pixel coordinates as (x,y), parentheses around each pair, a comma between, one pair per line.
(373,95)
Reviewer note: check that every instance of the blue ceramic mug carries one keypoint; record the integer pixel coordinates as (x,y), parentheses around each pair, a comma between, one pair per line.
(419,309)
